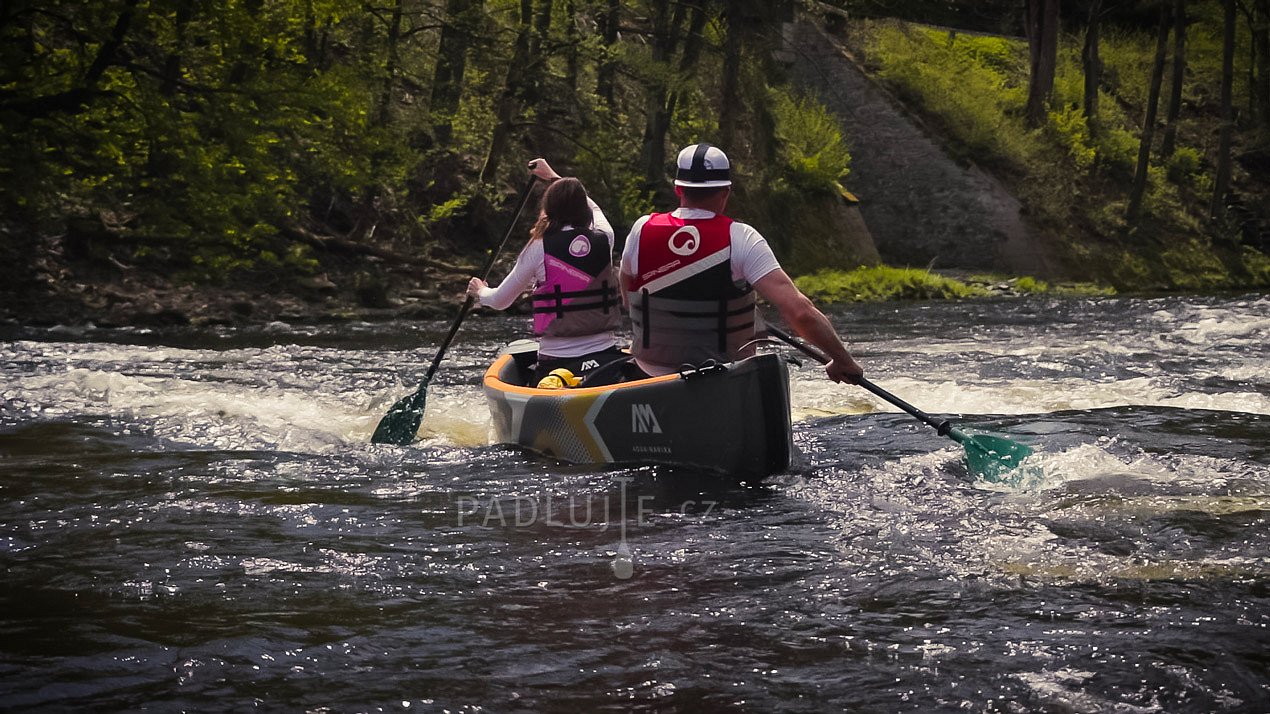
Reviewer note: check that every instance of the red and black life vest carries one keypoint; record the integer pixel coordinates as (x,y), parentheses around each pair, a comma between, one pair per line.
(685,306)
(579,293)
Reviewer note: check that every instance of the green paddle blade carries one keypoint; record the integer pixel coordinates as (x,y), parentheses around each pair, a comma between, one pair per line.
(401,424)
(992,457)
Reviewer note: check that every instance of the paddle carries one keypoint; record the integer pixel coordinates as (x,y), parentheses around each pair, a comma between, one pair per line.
(990,457)
(400,425)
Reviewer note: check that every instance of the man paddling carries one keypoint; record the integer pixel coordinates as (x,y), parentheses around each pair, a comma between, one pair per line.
(689,278)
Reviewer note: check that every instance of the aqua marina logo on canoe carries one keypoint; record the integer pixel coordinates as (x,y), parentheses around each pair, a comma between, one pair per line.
(643,420)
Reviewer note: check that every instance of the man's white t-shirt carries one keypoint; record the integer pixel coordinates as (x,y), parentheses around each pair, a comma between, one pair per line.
(752,257)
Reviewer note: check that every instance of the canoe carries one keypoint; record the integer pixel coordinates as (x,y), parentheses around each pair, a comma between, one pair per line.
(730,418)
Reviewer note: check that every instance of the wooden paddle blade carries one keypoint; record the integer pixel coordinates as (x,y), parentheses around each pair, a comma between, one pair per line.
(993,457)
(400,425)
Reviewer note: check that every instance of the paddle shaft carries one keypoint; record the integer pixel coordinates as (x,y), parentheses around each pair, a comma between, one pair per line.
(942,426)
(489,265)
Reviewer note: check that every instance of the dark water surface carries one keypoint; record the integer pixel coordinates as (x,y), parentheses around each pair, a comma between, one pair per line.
(194,521)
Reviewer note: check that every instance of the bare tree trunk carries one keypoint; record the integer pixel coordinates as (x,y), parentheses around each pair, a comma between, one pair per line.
(508,99)
(1221,181)
(447,78)
(1092,63)
(1169,142)
(1042,37)
(1148,124)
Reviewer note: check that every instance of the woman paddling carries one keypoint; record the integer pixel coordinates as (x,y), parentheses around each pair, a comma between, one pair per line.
(569,263)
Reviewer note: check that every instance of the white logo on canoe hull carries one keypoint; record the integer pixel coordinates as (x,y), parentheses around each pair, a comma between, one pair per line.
(643,421)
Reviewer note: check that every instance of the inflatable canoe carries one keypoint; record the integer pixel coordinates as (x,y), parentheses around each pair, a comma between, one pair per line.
(731,418)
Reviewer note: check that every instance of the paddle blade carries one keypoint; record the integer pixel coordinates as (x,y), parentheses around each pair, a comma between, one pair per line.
(992,458)
(401,424)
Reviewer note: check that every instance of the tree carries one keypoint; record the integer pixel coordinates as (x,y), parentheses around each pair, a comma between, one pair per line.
(461,17)
(508,100)
(1042,39)
(1221,179)
(606,73)
(666,30)
(1091,62)
(1148,124)
(1257,13)
(1169,141)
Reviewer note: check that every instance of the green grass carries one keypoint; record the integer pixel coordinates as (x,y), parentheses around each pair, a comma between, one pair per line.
(883,282)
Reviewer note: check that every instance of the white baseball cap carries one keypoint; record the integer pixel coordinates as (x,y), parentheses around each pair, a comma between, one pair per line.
(703,166)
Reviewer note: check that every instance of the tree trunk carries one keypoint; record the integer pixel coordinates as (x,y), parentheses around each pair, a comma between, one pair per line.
(392,60)
(1169,142)
(1148,124)
(1261,62)
(1092,63)
(607,71)
(1221,180)
(508,99)
(447,78)
(172,63)
(688,60)
(1042,39)
(657,115)
(537,59)
(571,45)
(730,92)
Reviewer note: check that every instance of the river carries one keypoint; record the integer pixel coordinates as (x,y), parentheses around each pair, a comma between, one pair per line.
(194,520)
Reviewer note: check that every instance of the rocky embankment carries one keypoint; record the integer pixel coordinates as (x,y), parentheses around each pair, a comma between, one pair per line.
(923,208)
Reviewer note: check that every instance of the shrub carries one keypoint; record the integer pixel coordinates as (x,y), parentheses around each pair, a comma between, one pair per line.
(811,145)
(1071,129)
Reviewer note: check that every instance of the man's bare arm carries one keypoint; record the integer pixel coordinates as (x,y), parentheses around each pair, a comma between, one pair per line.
(810,323)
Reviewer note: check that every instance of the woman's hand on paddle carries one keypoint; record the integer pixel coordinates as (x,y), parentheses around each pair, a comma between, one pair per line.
(543,170)
(474,287)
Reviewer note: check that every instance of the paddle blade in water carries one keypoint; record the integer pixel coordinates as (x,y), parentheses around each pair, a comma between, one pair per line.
(401,424)
(992,457)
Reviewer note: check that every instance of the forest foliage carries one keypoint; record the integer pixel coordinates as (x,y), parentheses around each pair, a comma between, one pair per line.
(217,138)
(227,136)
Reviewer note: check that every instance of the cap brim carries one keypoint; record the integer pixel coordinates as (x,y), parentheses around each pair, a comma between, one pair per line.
(703,184)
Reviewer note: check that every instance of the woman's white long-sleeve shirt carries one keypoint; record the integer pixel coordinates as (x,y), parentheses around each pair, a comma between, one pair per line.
(528,273)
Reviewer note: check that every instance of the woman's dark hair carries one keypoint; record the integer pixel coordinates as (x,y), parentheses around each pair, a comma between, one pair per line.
(563,204)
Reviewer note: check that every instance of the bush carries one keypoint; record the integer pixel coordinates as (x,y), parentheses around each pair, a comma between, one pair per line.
(1071,129)
(1183,165)
(811,147)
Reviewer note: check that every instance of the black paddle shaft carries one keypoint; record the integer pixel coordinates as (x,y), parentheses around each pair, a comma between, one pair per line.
(942,426)
(489,265)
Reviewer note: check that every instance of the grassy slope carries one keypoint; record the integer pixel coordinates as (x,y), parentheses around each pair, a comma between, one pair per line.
(973,88)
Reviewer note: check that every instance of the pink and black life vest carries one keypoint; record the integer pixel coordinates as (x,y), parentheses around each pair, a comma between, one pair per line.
(579,293)
(685,306)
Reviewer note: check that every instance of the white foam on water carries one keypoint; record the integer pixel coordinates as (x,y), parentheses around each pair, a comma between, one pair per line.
(282,397)
(813,395)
